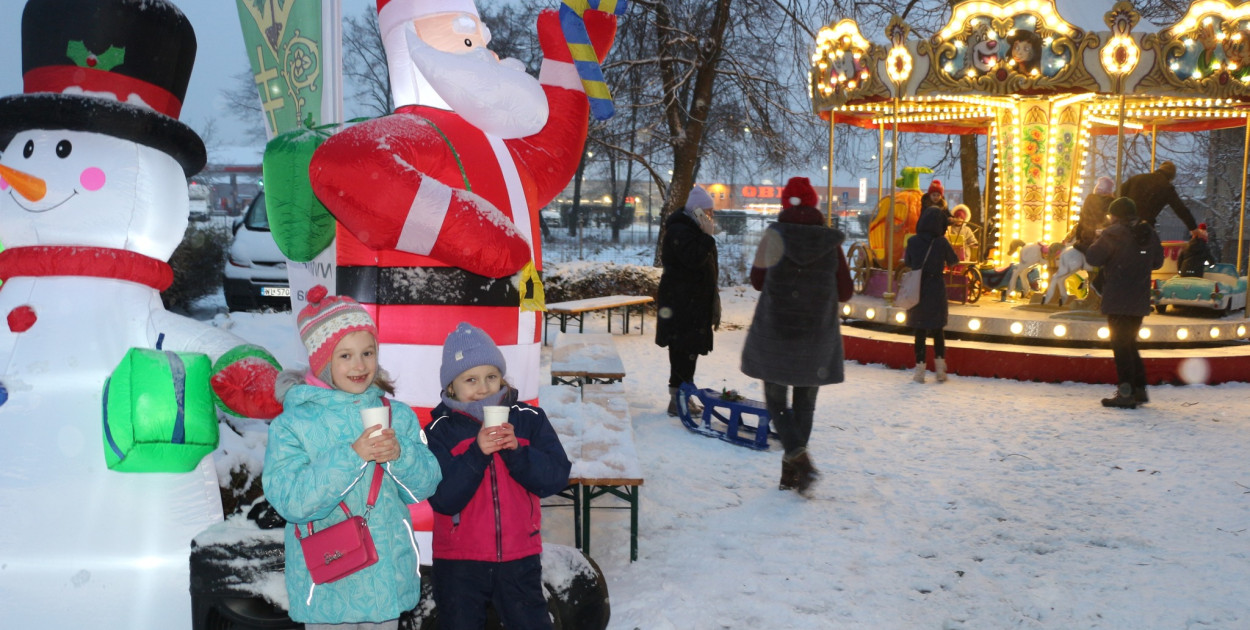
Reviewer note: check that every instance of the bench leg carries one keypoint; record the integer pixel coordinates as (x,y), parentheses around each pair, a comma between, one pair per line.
(586,495)
(633,523)
(577,516)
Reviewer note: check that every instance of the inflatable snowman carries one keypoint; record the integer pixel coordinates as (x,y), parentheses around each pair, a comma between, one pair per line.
(93,201)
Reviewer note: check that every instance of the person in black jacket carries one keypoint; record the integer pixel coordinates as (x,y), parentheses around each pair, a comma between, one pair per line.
(1151,191)
(1127,250)
(930,250)
(688,300)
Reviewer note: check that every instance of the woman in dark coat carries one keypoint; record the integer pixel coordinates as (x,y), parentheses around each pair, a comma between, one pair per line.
(1093,215)
(1127,250)
(795,339)
(688,301)
(930,249)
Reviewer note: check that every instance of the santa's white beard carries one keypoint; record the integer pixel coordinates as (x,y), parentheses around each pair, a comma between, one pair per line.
(498,97)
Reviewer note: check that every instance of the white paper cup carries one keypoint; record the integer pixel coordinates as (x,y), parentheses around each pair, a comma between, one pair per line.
(495,415)
(375,415)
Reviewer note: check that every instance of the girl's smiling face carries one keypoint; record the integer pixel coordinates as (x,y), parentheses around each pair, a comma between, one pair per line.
(354,363)
(476,383)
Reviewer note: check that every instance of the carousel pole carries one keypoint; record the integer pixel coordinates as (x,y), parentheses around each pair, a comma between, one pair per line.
(1154,139)
(985,203)
(880,160)
(829,199)
(889,241)
(1241,226)
(1119,137)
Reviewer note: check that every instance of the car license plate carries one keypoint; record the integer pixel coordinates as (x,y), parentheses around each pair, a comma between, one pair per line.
(275,291)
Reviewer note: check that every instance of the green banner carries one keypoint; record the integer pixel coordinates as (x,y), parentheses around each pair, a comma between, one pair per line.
(283,39)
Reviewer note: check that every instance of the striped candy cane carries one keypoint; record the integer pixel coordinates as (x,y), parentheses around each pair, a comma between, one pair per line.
(573,25)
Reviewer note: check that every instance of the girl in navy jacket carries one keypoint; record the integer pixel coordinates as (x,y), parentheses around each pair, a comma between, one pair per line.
(487,518)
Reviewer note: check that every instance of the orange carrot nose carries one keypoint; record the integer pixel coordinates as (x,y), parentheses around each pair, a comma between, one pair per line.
(28,186)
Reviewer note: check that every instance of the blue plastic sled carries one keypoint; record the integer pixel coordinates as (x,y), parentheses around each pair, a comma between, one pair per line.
(728,412)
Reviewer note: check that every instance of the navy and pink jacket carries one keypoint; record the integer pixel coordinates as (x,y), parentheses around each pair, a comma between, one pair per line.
(486,508)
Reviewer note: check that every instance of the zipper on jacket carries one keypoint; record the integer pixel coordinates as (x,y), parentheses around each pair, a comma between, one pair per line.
(494,491)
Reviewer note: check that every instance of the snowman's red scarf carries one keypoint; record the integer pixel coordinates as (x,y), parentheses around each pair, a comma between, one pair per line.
(95,262)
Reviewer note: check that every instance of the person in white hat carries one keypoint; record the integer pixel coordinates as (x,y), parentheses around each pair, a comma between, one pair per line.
(688,299)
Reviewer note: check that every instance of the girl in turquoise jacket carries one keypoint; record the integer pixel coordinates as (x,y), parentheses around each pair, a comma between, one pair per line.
(319,454)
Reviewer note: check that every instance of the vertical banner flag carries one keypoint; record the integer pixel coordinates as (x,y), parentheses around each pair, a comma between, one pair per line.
(294,48)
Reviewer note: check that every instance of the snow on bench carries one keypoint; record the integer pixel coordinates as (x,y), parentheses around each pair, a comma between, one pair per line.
(582,359)
(597,434)
(575,310)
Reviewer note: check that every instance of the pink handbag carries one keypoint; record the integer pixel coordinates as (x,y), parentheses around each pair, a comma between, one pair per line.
(342,548)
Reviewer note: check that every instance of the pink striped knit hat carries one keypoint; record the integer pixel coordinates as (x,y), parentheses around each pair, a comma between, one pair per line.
(325,321)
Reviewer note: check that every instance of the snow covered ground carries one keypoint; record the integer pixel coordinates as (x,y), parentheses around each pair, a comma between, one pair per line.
(974,504)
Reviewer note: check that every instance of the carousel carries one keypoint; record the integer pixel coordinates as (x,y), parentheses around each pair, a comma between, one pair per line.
(1040,89)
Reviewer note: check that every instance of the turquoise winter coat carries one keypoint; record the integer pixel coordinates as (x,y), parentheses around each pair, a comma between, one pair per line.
(310,466)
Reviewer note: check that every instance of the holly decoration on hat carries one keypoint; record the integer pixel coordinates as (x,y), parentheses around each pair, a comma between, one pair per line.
(106,61)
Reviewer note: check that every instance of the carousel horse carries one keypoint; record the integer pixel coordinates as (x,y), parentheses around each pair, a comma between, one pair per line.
(1070,261)
(1031,255)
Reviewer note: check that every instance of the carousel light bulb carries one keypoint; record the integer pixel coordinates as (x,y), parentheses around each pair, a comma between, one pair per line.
(1060,330)
(846,310)
(1215,332)
(1241,330)
(1182,333)
(901,317)
(1104,332)
(870,313)
(974,324)
(1017,328)
(1144,333)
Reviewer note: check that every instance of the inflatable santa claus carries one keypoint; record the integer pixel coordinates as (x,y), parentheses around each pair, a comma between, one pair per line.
(436,204)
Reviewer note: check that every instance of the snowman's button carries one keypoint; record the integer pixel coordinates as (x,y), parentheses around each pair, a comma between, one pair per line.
(21,319)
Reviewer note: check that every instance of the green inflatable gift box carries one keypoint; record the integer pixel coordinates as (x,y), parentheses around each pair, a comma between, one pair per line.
(159,414)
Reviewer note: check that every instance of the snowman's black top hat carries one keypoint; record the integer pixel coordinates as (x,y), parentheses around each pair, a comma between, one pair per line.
(118,67)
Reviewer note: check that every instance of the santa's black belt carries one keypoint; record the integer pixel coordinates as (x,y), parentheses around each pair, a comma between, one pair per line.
(441,286)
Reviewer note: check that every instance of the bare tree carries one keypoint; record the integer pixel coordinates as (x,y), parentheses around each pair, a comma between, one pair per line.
(244,106)
(364,63)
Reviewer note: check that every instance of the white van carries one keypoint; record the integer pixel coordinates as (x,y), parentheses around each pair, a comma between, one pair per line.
(255,275)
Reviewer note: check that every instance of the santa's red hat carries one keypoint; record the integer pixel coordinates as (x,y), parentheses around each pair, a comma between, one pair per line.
(799,192)
(935,186)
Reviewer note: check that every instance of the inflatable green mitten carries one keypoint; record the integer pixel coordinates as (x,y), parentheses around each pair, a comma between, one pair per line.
(301,225)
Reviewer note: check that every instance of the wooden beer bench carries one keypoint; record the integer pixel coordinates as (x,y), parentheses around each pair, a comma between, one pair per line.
(585,359)
(598,437)
(575,310)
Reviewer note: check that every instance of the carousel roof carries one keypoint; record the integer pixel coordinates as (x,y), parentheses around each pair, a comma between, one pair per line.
(993,54)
